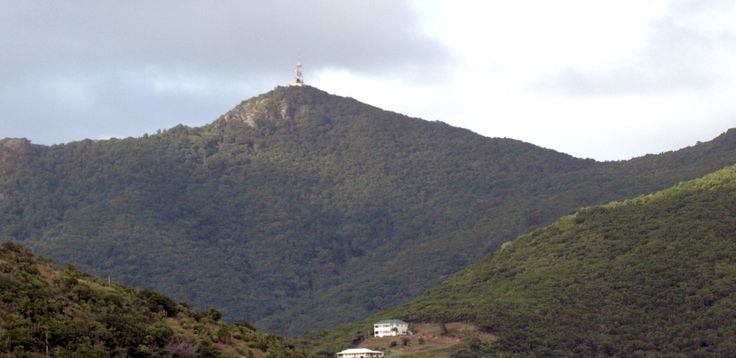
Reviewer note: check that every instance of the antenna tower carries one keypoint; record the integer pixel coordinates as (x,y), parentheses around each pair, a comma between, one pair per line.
(299,77)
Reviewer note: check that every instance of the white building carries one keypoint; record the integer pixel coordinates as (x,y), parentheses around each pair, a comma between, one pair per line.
(391,327)
(359,353)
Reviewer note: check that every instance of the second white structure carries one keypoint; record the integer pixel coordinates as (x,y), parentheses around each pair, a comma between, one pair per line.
(391,327)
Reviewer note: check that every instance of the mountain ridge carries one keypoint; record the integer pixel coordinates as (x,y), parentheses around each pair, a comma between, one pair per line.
(276,221)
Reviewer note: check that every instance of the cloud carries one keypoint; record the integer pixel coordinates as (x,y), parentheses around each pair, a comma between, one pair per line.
(602,79)
(579,76)
(93,63)
(685,50)
(230,36)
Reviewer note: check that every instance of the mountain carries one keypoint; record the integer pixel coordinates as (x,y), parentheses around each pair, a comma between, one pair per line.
(650,276)
(48,310)
(298,204)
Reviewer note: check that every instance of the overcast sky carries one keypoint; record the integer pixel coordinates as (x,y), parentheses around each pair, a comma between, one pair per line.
(597,79)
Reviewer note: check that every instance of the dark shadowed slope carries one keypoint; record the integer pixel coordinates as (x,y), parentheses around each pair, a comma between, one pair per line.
(299,204)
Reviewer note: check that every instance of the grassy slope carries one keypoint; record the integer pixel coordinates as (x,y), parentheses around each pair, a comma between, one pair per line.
(429,340)
(651,275)
(69,314)
(310,213)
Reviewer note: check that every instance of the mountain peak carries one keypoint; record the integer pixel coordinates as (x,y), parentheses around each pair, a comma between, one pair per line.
(282,104)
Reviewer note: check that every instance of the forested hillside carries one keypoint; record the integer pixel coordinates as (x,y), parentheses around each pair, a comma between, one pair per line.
(46,311)
(299,204)
(651,276)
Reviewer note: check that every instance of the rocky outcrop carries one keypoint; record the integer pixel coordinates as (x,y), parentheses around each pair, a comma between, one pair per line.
(282,105)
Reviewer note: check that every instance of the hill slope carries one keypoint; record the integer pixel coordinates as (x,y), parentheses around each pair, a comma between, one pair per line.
(299,204)
(651,275)
(46,310)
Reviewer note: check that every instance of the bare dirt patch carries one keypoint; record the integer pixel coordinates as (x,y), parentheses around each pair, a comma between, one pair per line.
(428,340)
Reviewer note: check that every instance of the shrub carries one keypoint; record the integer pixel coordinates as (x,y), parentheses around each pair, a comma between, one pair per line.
(180,348)
(157,302)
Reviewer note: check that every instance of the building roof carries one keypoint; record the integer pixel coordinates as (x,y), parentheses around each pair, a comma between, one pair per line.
(391,321)
(359,350)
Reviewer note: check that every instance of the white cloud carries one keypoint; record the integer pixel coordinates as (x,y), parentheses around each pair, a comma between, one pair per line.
(601,79)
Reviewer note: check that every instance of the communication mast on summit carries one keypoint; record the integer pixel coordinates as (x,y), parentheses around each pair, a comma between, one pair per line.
(299,77)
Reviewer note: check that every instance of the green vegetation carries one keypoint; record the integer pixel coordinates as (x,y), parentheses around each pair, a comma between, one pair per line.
(429,340)
(46,310)
(324,207)
(651,276)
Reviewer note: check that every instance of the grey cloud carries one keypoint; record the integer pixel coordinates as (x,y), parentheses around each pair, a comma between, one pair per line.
(214,36)
(69,70)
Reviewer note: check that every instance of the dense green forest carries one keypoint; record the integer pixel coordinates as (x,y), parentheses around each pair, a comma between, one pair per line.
(298,204)
(650,276)
(46,310)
